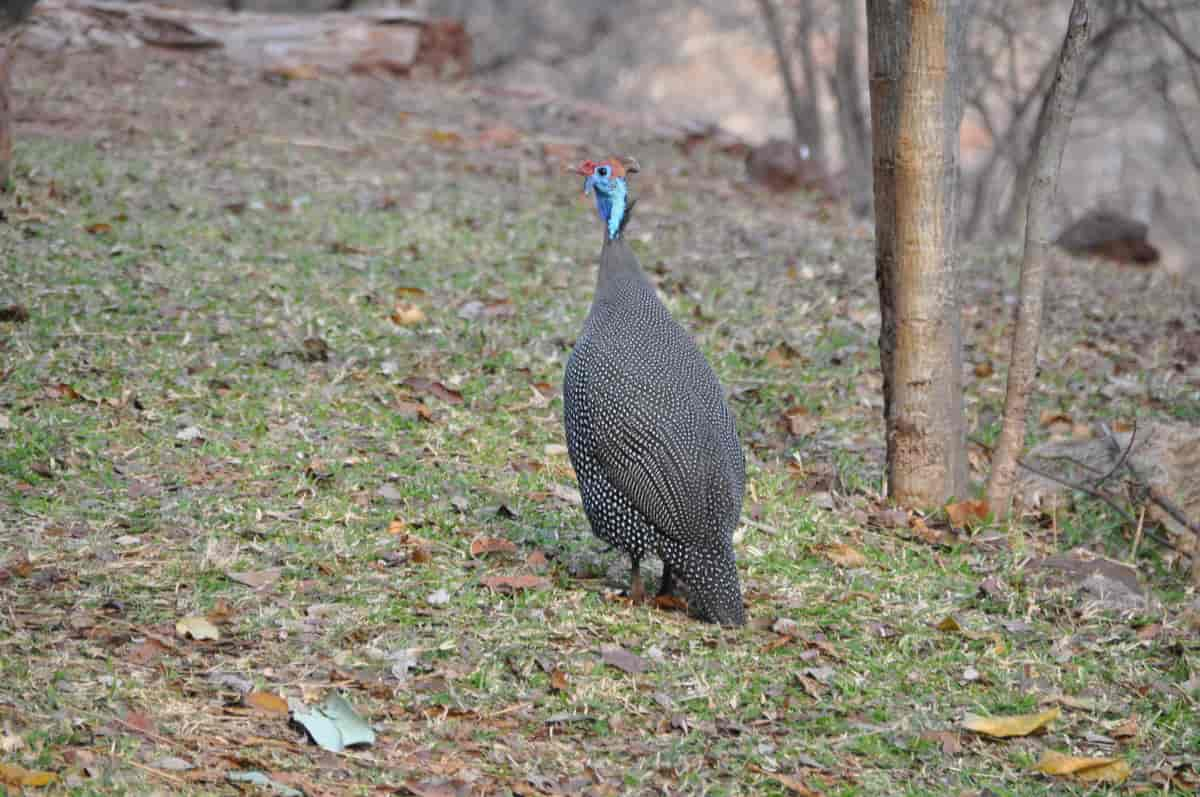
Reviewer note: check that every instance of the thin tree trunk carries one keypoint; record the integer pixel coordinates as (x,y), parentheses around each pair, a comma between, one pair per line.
(6,50)
(1022,369)
(795,105)
(852,125)
(915,145)
(813,133)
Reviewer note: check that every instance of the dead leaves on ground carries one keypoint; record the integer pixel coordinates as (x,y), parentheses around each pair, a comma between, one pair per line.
(1083,769)
(1015,725)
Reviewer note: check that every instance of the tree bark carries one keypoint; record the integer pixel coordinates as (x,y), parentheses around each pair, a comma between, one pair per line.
(914,121)
(1022,369)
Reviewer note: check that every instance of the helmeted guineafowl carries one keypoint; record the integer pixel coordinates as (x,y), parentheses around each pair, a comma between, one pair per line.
(650,435)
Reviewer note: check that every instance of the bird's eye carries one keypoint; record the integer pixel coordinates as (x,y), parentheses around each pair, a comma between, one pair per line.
(602,171)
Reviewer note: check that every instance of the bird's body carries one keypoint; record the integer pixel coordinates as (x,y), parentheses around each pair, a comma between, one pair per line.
(650,435)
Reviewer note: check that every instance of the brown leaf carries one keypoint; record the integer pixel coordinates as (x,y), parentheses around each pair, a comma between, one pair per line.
(147,651)
(19,777)
(1126,729)
(485,545)
(437,389)
(799,421)
(925,534)
(983,370)
(140,722)
(1085,770)
(99,228)
(842,554)
(623,660)
(420,555)
(514,583)
(558,680)
(405,314)
(948,624)
(949,741)
(256,579)
(967,513)
(397,526)
(62,390)
(266,702)
(795,785)
(537,560)
(1016,725)
(14,313)
(412,409)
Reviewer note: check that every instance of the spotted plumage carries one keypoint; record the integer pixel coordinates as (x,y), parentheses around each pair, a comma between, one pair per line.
(650,435)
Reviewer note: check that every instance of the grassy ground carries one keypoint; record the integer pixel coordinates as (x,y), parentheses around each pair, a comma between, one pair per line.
(310,337)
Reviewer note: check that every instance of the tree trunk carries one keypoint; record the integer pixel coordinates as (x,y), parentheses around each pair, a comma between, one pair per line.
(5,113)
(914,118)
(852,126)
(806,121)
(1022,369)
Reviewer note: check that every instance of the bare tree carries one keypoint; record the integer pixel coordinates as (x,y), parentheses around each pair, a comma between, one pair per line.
(913,48)
(1022,369)
(804,109)
(846,85)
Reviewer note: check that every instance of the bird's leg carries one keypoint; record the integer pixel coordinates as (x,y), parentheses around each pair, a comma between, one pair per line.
(637,592)
(667,586)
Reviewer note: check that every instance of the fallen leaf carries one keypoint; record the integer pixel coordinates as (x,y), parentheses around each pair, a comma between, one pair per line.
(406,314)
(558,680)
(983,370)
(13,775)
(1015,725)
(334,725)
(841,554)
(197,627)
(967,513)
(147,651)
(434,389)
(623,660)
(1084,770)
(537,560)
(259,779)
(948,624)
(485,545)
(99,228)
(266,702)
(1125,729)
(795,785)
(397,526)
(800,423)
(256,579)
(514,583)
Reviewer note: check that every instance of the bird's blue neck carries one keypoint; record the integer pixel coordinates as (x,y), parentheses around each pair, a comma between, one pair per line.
(611,205)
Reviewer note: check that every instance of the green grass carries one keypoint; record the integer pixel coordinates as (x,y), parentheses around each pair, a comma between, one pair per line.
(199,437)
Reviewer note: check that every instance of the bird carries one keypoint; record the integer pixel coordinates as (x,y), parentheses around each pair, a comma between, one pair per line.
(649,432)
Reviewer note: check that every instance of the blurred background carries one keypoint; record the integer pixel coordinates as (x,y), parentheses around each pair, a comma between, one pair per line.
(712,67)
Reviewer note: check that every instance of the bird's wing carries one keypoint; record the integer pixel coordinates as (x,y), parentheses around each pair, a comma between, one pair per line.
(666,463)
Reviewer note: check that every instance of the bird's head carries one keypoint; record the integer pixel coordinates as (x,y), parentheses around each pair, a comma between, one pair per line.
(606,181)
